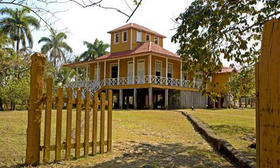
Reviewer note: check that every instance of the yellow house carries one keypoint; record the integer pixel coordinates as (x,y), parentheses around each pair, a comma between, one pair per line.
(218,85)
(141,72)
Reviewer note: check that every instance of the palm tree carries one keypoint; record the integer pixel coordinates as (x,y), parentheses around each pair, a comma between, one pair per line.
(17,24)
(96,49)
(55,47)
(5,44)
(64,76)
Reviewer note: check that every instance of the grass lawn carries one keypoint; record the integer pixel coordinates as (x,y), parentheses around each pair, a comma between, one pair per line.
(235,125)
(155,138)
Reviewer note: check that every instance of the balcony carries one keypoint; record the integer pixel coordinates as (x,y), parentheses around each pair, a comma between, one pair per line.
(95,85)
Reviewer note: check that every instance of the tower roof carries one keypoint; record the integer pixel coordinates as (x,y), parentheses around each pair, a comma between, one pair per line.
(138,27)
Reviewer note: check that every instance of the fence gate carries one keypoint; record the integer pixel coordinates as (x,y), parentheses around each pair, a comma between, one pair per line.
(268,98)
(63,138)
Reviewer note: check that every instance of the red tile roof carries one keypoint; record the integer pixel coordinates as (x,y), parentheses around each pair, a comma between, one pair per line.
(228,70)
(147,47)
(138,27)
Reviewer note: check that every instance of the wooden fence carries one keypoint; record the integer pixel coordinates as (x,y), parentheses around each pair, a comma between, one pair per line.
(84,104)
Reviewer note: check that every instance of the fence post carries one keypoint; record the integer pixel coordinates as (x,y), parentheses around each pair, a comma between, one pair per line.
(94,122)
(35,109)
(59,106)
(257,114)
(268,116)
(69,122)
(78,123)
(86,129)
(102,122)
(48,111)
(109,128)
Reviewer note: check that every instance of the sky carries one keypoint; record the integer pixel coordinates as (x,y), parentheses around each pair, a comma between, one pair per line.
(86,24)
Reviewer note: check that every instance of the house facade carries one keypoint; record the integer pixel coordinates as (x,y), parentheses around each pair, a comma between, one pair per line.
(142,74)
(218,85)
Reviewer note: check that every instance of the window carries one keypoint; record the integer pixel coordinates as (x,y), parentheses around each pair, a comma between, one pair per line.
(124,36)
(96,72)
(185,76)
(139,36)
(158,68)
(156,40)
(148,37)
(170,70)
(114,70)
(117,36)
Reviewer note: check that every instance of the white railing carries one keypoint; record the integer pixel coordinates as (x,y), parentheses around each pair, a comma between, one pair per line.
(94,85)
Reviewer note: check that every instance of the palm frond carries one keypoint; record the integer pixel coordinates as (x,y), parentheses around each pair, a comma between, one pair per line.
(28,35)
(61,36)
(66,47)
(30,20)
(45,39)
(46,48)
(8,11)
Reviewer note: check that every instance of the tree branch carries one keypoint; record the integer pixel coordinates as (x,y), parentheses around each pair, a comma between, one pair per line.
(25,6)
(134,11)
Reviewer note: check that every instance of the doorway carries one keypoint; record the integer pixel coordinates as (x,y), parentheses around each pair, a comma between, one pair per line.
(114,70)
(141,71)
(130,72)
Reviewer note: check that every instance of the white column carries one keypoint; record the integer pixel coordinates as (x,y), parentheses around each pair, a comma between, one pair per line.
(166,71)
(76,77)
(104,70)
(98,71)
(131,39)
(181,73)
(87,77)
(135,98)
(150,68)
(150,98)
(118,71)
(121,99)
(166,99)
(133,70)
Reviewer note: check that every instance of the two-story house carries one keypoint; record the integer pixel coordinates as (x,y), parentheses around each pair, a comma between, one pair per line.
(218,85)
(141,72)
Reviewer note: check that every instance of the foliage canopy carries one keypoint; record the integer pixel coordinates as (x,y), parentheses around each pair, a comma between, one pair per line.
(212,30)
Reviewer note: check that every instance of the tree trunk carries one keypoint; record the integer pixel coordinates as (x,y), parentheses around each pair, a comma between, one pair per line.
(1,105)
(13,106)
(18,47)
(18,41)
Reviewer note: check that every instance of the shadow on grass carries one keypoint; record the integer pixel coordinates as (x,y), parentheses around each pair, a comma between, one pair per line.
(242,133)
(165,155)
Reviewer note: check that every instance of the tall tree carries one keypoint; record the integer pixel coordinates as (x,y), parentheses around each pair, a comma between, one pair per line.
(96,49)
(55,47)
(17,24)
(242,84)
(212,30)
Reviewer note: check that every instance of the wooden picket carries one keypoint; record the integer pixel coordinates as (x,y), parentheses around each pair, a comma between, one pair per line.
(68,123)
(85,105)
(86,131)
(78,124)
(48,110)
